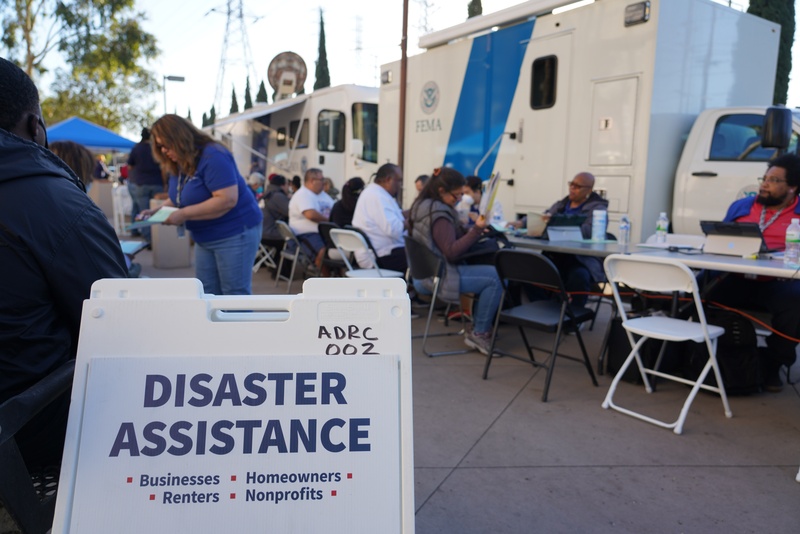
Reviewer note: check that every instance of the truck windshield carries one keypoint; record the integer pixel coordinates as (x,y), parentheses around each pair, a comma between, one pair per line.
(737,137)
(365,128)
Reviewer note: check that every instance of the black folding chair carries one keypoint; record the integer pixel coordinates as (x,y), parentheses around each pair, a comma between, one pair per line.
(29,498)
(423,264)
(552,315)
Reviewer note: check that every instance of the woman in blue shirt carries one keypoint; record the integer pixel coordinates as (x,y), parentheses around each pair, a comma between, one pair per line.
(214,203)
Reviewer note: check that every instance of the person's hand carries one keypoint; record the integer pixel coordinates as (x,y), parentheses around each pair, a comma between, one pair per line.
(145,214)
(515,224)
(474,216)
(176,218)
(481,222)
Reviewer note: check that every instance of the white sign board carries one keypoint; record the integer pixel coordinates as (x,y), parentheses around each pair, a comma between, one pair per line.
(195,413)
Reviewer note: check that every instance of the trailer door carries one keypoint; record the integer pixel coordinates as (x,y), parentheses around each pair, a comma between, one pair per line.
(540,179)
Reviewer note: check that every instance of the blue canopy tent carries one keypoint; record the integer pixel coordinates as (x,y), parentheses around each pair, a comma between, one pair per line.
(94,137)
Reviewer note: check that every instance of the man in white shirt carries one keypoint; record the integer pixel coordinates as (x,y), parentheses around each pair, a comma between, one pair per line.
(380,217)
(308,207)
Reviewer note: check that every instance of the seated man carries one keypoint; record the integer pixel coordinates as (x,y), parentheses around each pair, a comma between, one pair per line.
(578,272)
(773,209)
(54,244)
(308,207)
(380,217)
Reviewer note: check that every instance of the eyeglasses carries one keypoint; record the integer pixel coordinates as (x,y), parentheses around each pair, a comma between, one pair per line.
(770,180)
(577,186)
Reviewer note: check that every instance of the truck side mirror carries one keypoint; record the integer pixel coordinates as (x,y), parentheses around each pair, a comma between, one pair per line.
(777,128)
(357,148)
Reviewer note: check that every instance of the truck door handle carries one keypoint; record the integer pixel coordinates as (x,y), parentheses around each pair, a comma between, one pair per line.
(704,174)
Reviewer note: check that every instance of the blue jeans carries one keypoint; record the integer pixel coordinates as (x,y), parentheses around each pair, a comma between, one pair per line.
(225,266)
(140,200)
(484,282)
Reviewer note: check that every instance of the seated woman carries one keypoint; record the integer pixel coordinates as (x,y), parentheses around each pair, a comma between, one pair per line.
(342,210)
(434,222)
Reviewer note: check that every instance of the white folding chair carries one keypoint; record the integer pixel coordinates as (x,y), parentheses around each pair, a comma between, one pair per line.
(347,241)
(264,256)
(662,275)
(292,251)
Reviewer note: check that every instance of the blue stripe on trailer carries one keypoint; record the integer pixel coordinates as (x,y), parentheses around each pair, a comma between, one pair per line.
(489,85)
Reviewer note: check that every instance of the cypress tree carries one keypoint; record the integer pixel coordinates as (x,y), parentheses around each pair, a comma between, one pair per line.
(212,117)
(234,103)
(189,115)
(248,102)
(323,77)
(781,12)
(262,93)
(205,120)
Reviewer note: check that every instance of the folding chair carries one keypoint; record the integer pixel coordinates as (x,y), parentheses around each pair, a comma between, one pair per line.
(292,251)
(552,315)
(347,241)
(29,498)
(424,264)
(662,275)
(264,256)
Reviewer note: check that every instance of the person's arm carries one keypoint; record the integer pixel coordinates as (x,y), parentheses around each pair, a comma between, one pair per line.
(444,235)
(389,219)
(315,216)
(221,202)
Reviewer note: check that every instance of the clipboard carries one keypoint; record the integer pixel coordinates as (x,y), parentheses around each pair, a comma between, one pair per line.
(157,218)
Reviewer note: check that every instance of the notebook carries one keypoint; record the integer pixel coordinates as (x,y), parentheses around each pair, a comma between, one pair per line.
(732,238)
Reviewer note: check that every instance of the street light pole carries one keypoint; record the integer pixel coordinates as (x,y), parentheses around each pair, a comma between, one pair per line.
(170,79)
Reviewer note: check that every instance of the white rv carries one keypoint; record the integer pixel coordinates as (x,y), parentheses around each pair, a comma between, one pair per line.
(334,129)
(613,87)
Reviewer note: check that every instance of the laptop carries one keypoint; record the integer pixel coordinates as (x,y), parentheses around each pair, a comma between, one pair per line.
(562,227)
(732,238)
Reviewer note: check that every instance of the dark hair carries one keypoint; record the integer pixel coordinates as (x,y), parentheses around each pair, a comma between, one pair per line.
(474,182)
(350,192)
(445,178)
(791,164)
(312,172)
(77,157)
(277,179)
(385,172)
(422,178)
(145,134)
(18,95)
(296,184)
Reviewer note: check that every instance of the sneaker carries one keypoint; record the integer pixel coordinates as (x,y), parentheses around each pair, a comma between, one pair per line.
(479,341)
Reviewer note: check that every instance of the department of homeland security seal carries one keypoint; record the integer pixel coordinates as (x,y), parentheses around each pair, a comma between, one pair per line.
(429,97)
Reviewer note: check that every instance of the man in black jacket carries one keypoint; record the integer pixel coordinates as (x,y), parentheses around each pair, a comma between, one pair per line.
(54,243)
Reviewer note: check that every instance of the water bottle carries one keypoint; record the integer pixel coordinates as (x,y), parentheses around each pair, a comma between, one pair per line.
(497,215)
(661,228)
(599,223)
(791,256)
(624,230)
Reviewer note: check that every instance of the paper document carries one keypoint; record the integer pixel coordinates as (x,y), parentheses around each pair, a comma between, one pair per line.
(490,193)
(157,218)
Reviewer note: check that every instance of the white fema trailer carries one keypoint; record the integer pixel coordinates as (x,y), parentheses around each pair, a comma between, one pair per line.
(632,92)
(334,129)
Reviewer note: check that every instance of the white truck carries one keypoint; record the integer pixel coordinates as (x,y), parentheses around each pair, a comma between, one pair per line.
(334,129)
(663,101)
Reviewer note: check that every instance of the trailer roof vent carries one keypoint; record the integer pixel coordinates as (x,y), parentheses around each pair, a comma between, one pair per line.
(637,13)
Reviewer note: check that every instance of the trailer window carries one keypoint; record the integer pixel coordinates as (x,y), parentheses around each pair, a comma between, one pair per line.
(544,75)
(330,131)
(280,137)
(365,128)
(737,137)
(298,139)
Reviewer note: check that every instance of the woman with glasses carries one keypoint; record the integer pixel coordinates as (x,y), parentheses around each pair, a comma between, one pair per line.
(214,203)
(435,223)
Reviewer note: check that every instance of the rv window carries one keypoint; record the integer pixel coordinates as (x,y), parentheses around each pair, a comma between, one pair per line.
(365,127)
(280,138)
(330,131)
(298,139)
(738,137)
(544,75)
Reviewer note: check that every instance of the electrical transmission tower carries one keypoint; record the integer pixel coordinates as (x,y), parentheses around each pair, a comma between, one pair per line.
(235,38)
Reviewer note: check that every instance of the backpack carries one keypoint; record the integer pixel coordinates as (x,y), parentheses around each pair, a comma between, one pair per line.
(737,354)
